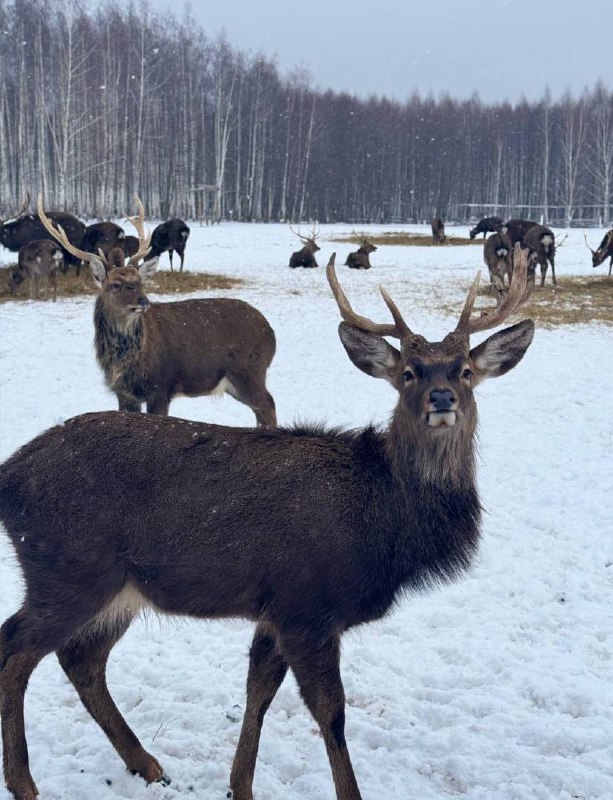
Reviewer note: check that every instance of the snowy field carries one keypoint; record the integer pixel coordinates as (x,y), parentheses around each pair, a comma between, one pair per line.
(495,688)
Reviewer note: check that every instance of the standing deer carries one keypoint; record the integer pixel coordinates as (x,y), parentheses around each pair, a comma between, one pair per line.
(516,229)
(605,250)
(39,262)
(438,230)
(360,259)
(541,241)
(486,225)
(168,237)
(153,352)
(308,532)
(105,236)
(498,256)
(306,256)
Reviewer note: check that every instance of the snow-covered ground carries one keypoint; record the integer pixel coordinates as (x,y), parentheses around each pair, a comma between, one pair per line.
(496,688)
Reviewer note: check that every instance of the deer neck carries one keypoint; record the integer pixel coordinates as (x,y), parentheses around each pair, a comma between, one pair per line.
(118,345)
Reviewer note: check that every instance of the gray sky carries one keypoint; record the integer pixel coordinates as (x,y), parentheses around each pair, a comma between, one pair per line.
(502,49)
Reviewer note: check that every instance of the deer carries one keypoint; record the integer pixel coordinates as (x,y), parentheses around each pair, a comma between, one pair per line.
(486,225)
(39,262)
(605,250)
(498,257)
(438,230)
(541,241)
(360,258)
(314,531)
(516,229)
(169,236)
(153,352)
(103,236)
(306,256)
(23,228)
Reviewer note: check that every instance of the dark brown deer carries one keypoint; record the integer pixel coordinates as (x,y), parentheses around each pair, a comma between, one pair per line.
(103,236)
(308,532)
(306,256)
(23,228)
(486,225)
(516,229)
(168,237)
(438,230)
(361,258)
(605,250)
(498,256)
(153,352)
(39,262)
(541,241)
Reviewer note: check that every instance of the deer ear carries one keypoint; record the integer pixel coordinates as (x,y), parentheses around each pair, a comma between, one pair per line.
(148,268)
(502,351)
(98,271)
(370,352)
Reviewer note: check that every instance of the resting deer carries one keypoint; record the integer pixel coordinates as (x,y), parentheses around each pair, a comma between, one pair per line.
(153,352)
(39,262)
(605,250)
(306,256)
(361,258)
(314,531)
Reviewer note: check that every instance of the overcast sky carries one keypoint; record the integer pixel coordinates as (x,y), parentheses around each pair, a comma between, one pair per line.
(502,49)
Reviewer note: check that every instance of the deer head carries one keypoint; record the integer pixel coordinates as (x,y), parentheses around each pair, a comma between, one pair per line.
(308,242)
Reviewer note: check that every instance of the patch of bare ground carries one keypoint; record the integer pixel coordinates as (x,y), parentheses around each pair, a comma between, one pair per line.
(163,282)
(576,300)
(402,238)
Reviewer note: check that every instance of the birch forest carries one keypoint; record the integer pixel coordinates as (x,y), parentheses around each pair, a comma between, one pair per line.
(99,104)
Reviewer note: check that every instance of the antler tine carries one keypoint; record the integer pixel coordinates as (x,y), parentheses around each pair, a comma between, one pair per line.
(364,324)
(21,211)
(586,242)
(561,242)
(59,234)
(144,237)
(518,293)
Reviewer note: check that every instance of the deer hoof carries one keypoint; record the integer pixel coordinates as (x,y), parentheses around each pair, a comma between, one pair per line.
(150,770)
(23,790)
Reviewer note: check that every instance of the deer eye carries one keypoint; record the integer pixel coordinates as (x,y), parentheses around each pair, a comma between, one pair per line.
(115,287)
(467,373)
(408,376)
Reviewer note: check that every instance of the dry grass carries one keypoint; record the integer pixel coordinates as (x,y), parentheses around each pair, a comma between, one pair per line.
(575,300)
(163,282)
(403,238)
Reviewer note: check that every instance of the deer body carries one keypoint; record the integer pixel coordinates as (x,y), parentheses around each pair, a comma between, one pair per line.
(605,250)
(486,225)
(39,262)
(307,532)
(498,256)
(169,236)
(438,230)
(516,229)
(361,258)
(541,241)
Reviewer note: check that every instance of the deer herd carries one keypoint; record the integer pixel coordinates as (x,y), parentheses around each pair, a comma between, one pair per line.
(315,531)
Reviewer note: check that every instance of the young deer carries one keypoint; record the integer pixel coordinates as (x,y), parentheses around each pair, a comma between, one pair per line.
(360,259)
(39,262)
(153,352)
(315,531)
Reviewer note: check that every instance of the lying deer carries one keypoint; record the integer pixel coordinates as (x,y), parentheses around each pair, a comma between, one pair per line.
(361,258)
(314,531)
(605,250)
(39,262)
(306,256)
(153,352)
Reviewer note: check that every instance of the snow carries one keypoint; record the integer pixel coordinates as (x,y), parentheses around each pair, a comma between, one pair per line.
(496,688)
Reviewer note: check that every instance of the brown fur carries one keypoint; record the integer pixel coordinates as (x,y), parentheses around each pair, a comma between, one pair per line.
(498,256)
(486,225)
(308,532)
(541,242)
(39,262)
(438,230)
(360,259)
(605,250)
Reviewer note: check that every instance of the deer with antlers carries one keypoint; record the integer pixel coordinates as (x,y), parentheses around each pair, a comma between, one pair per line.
(315,531)
(605,250)
(153,352)
(306,256)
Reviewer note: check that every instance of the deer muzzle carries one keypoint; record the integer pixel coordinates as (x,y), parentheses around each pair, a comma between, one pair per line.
(441,408)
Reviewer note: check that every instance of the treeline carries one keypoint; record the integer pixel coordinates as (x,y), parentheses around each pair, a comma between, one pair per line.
(99,104)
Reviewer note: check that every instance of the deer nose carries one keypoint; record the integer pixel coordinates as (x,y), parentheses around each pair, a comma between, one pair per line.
(442,399)
(144,302)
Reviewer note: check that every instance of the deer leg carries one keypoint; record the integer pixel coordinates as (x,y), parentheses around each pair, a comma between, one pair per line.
(253,393)
(553,273)
(159,405)
(83,658)
(267,668)
(128,404)
(170,257)
(317,670)
(543,273)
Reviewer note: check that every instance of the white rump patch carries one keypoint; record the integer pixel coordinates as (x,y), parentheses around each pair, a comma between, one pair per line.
(127,603)
(222,387)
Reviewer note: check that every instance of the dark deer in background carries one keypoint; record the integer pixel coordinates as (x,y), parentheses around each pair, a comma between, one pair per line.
(360,259)
(169,237)
(498,256)
(315,532)
(541,242)
(306,256)
(438,230)
(39,262)
(486,225)
(516,229)
(153,352)
(103,236)
(605,250)
(24,228)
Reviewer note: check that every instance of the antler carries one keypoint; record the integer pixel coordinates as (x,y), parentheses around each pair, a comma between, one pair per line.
(561,242)
(400,330)
(518,293)
(59,235)
(21,211)
(144,237)
(588,247)
(311,238)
